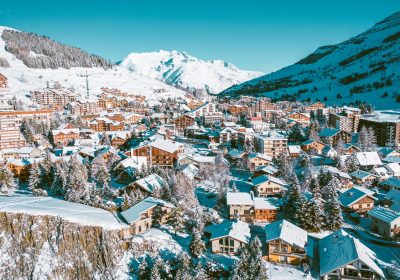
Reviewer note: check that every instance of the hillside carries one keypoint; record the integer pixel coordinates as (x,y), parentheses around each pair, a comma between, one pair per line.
(364,67)
(185,71)
(23,77)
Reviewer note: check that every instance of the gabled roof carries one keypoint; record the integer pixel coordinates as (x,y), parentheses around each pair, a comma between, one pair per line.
(265,203)
(393,195)
(360,174)
(132,214)
(264,178)
(239,198)
(339,249)
(260,155)
(151,183)
(235,229)
(287,232)
(384,214)
(353,195)
(391,182)
(368,158)
(165,145)
(328,132)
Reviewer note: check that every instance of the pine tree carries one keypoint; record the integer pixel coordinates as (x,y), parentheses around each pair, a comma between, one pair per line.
(294,203)
(157,215)
(183,271)
(313,185)
(176,219)
(7,182)
(77,181)
(59,184)
(197,245)
(156,270)
(312,216)
(333,214)
(35,177)
(100,172)
(363,138)
(352,163)
(144,270)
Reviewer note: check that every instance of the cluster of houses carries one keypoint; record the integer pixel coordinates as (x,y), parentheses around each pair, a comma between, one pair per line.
(250,131)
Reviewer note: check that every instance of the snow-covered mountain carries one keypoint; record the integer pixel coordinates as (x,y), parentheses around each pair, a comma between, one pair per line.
(185,71)
(365,67)
(22,79)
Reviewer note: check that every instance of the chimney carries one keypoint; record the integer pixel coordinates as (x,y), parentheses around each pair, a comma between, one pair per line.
(252,195)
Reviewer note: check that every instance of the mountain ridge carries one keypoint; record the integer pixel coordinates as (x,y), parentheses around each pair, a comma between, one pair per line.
(361,68)
(180,69)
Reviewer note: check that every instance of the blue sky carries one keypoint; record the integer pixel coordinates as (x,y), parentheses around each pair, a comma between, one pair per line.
(254,35)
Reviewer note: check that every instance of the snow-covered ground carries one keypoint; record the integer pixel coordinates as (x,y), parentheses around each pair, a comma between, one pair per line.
(182,69)
(22,79)
(73,212)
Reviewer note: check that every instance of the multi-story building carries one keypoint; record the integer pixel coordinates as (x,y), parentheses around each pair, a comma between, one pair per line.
(54,98)
(11,138)
(346,120)
(14,119)
(105,124)
(286,242)
(65,134)
(271,144)
(210,118)
(386,126)
(83,107)
(183,122)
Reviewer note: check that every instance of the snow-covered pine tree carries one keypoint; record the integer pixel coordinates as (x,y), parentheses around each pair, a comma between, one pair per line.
(176,219)
(333,213)
(183,271)
(156,270)
(352,163)
(7,182)
(363,138)
(197,245)
(144,270)
(78,189)
(312,216)
(294,203)
(100,172)
(35,177)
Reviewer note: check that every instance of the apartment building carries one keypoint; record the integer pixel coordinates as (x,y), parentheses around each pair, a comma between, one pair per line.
(79,108)
(346,120)
(203,109)
(386,126)
(271,144)
(54,98)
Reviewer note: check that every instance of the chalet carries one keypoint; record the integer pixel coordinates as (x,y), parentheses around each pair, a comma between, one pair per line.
(265,209)
(310,145)
(128,168)
(368,160)
(294,151)
(357,199)
(302,118)
(184,121)
(332,136)
(349,149)
(385,221)
(149,184)
(140,215)
(228,134)
(381,173)
(21,153)
(357,262)
(190,171)
(65,134)
(329,151)
(286,242)
(393,168)
(240,206)
(268,186)
(256,160)
(228,237)
(163,153)
(265,170)
(391,183)
(362,177)
(197,160)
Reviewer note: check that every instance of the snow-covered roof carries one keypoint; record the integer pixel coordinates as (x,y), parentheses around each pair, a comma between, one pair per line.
(49,206)
(368,158)
(151,183)
(190,171)
(393,167)
(260,155)
(165,145)
(264,178)
(328,132)
(360,174)
(238,198)
(294,149)
(384,214)
(353,195)
(287,232)
(65,131)
(132,214)
(265,203)
(340,248)
(235,229)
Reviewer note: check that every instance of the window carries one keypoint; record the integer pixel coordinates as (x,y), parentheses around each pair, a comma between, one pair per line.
(231,242)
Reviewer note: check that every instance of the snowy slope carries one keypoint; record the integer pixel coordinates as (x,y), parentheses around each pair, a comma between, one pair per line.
(22,79)
(183,70)
(361,68)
